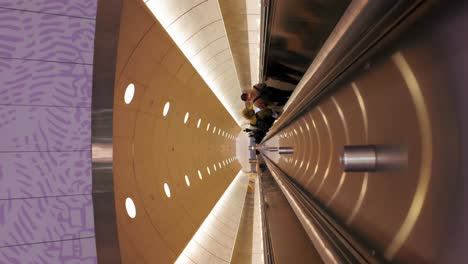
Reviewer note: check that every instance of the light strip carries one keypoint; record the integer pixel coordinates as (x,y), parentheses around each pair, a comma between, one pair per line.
(204,13)
(229,205)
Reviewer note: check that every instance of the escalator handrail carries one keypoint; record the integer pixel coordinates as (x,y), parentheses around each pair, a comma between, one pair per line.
(334,243)
(362,29)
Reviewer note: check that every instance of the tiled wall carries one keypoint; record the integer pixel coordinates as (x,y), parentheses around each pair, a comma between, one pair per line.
(46,57)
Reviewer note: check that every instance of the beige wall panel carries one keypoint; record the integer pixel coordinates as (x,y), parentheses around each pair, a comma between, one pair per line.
(152,149)
(133,35)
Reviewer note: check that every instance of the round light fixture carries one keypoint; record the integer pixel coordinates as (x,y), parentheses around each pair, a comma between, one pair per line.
(167,190)
(166,108)
(186,117)
(130,206)
(129,93)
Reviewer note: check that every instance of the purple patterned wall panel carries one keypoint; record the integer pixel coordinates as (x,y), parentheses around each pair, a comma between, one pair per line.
(79,251)
(38,128)
(28,35)
(45,127)
(25,221)
(39,174)
(79,8)
(45,83)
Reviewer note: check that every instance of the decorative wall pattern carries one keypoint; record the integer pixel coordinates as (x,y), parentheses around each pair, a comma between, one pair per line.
(81,8)
(24,82)
(46,57)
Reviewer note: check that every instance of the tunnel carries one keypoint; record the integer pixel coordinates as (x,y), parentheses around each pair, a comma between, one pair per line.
(233,131)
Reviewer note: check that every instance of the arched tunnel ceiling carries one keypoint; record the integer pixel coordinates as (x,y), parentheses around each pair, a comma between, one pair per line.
(221,40)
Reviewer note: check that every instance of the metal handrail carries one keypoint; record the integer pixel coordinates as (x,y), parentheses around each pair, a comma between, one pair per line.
(334,243)
(361,29)
(267,247)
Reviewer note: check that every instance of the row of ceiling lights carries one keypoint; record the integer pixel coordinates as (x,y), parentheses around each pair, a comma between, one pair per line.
(130,92)
(128,97)
(130,205)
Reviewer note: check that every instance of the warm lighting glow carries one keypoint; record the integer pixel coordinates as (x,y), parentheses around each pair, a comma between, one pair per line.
(199,123)
(208,170)
(130,206)
(129,93)
(187,180)
(186,117)
(200,175)
(208,127)
(167,190)
(166,108)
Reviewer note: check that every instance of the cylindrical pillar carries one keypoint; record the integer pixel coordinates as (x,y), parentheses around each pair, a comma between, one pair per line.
(359,158)
(371,158)
(285,150)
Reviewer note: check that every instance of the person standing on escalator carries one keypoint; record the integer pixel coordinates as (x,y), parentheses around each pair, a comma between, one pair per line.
(263,96)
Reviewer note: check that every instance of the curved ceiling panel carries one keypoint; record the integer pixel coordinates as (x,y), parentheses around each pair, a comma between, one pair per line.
(242,20)
(167,165)
(197,27)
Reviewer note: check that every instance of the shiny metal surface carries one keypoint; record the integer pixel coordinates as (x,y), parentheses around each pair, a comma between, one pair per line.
(198,29)
(285,150)
(359,158)
(284,245)
(272,149)
(297,30)
(332,242)
(361,27)
(105,58)
(409,101)
(371,158)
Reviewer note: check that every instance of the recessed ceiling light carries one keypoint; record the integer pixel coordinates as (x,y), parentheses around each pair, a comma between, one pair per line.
(199,123)
(208,170)
(187,180)
(167,190)
(186,117)
(214,130)
(130,206)
(219,165)
(200,175)
(129,93)
(166,108)
(208,127)
(214,167)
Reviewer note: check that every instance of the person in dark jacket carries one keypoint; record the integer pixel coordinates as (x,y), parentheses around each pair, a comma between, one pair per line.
(263,96)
